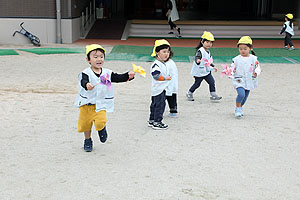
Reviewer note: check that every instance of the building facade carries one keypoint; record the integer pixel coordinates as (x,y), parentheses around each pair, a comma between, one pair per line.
(77,16)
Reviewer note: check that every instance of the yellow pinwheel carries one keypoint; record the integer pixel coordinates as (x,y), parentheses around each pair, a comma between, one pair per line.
(139,69)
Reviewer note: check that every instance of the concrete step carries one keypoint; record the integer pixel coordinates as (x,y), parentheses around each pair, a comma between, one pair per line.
(195,31)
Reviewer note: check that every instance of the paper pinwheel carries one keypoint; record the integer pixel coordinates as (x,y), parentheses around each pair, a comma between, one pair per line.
(139,69)
(105,81)
(228,71)
(207,63)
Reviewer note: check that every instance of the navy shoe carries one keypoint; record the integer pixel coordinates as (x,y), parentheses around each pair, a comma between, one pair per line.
(150,123)
(88,145)
(103,135)
(159,126)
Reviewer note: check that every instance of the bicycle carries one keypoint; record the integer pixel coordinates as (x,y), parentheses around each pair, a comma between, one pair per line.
(34,39)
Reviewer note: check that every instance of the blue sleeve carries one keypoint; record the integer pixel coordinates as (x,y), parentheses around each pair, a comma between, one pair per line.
(156,74)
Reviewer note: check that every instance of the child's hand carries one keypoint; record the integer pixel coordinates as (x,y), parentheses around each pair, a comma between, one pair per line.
(215,69)
(89,86)
(168,78)
(198,61)
(131,75)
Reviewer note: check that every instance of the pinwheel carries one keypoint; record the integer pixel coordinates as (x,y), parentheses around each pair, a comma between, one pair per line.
(105,81)
(207,63)
(228,71)
(139,69)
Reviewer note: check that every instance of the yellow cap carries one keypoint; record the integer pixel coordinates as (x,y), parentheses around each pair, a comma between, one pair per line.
(289,15)
(92,47)
(157,44)
(208,35)
(245,40)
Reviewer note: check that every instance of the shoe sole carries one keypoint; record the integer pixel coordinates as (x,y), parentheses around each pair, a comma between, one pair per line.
(238,117)
(215,99)
(88,150)
(149,125)
(172,116)
(157,128)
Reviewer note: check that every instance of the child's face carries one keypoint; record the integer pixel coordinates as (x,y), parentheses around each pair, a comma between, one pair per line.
(163,54)
(207,44)
(244,50)
(96,59)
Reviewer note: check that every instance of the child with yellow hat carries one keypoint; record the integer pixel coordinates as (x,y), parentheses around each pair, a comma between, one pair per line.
(288,29)
(202,67)
(160,81)
(246,69)
(95,96)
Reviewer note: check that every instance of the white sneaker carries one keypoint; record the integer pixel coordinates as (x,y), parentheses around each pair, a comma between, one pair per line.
(238,112)
(173,115)
(189,96)
(215,98)
(159,126)
(292,48)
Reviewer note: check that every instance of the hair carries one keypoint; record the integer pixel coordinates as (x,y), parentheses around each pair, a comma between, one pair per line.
(101,50)
(165,46)
(290,20)
(201,43)
(251,48)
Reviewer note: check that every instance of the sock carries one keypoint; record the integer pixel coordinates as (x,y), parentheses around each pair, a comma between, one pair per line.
(213,94)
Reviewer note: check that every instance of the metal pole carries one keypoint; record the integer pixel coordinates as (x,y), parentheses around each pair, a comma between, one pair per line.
(58,22)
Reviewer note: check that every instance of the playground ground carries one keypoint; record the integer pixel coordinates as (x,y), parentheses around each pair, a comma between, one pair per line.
(206,154)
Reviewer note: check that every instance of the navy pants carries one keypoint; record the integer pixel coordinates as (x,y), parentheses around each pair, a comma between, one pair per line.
(288,40)
(172,101)
(172,25)
(209,79)
(157,107)
(242,95)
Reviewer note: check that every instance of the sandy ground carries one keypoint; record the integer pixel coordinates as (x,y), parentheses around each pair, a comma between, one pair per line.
(206,154)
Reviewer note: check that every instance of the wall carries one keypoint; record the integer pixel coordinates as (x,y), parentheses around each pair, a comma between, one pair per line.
(44,29)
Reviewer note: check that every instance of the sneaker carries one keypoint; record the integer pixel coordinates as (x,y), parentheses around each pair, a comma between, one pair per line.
(103,135)
(88,145)
(292,48)
(286,47)
(171,32)
(238,112)
(189,96)
(173,115)
(159,126)
(150,123)
(215,98)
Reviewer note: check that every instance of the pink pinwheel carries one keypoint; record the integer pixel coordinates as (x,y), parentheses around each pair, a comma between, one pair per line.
(228,71)
(207,63)
(251,68)
(105,81)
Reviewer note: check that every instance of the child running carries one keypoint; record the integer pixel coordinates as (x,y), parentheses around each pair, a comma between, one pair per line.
(160,82)
(288,29)
(202,67)
(96,95)
(173,16)
(245,73)
(172,89)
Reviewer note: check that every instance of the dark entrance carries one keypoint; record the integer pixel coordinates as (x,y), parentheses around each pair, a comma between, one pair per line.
(209,9)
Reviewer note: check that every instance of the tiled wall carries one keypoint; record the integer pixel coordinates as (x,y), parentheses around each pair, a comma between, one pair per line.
(41,8)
